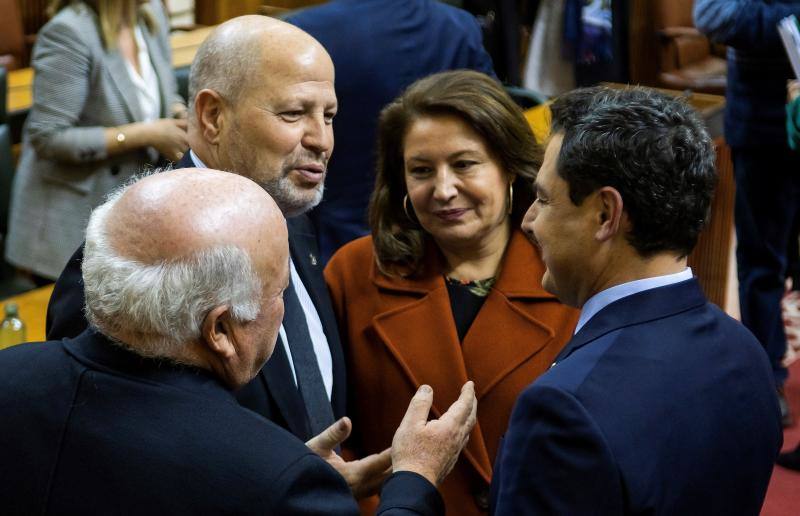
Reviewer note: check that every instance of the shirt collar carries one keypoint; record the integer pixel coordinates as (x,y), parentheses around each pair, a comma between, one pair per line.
(604,298)
(198,163)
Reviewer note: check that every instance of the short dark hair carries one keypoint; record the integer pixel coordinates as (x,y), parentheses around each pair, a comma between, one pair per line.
(484,105)
(652,148)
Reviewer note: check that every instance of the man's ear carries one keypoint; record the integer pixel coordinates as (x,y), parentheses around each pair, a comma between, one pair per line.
(217,333)
(208,110)
(609,213)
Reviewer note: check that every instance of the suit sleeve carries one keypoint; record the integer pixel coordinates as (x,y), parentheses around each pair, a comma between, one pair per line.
(555,460)
(311,487)
(745,24)
(62,63)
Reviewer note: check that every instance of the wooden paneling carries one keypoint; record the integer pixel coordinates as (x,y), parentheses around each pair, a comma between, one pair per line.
(710,259)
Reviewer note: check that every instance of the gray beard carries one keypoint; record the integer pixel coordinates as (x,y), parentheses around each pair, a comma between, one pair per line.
(282,191)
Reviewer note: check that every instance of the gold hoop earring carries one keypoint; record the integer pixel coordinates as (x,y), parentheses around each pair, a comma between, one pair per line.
(510,197)
(405,209)
(413,219)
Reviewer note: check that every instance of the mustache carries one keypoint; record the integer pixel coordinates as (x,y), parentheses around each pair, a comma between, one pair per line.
(305,161)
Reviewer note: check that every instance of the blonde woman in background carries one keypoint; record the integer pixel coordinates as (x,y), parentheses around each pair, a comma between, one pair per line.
(105,105)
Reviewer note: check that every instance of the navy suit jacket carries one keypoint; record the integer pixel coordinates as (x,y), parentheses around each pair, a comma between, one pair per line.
(661,404)
(89,427)
(379,48)
(272,393)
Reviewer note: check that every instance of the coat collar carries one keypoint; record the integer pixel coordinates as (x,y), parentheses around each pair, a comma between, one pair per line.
(638,308)
(520,263)
(98,352)
(436,357)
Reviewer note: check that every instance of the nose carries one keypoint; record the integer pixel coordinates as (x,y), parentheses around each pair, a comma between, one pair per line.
(528,220)
(445,186)
(318,135)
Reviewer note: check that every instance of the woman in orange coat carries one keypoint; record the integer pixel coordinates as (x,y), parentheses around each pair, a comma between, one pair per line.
(447,288)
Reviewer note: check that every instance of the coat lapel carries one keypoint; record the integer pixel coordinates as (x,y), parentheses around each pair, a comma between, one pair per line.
(432,356)
(638,308)
(277,375)
(501,315)
(118,73)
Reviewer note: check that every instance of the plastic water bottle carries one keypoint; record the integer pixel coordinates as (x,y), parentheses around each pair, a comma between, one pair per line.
(12,330)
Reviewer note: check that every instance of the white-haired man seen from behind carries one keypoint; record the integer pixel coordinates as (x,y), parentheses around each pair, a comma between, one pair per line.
(184,275)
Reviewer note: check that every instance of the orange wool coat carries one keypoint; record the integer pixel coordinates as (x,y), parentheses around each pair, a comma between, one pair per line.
(399,334)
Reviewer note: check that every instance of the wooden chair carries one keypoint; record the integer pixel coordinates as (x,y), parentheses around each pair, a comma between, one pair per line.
(687,58)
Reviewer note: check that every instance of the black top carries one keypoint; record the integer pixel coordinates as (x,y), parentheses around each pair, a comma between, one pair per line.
(466,300)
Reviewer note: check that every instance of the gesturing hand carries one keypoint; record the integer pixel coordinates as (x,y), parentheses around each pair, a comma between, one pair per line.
(430,448)
(364,476)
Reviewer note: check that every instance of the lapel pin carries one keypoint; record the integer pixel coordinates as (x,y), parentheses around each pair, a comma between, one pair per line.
(312,258)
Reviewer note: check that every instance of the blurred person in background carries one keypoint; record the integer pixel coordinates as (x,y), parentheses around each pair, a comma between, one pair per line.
(767,208)
(447,287)
(791,459)
(105,104)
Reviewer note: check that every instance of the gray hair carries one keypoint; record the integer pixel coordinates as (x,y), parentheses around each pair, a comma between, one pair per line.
(223,63)
(162,305)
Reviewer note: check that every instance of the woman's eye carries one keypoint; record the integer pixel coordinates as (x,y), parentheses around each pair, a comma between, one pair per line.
(419,171)
(463,164)
(329,118)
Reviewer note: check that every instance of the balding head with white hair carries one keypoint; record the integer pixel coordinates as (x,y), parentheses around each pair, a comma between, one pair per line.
(189,265)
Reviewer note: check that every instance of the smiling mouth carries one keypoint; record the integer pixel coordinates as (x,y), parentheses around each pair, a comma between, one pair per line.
(450,215)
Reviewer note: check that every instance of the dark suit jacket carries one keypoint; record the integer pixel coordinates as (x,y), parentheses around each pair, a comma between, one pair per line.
(89,427)
(378,48)
(661,404)
(272,393)
(401,334)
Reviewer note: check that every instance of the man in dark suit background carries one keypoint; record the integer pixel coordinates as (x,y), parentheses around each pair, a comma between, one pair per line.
(262,106)
(378,48)
(661,403)
(184,275)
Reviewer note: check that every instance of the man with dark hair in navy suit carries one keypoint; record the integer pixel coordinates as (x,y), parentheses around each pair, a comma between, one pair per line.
(184,274)
(660,403)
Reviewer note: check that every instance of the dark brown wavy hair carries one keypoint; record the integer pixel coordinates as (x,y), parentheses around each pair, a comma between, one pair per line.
(485,106)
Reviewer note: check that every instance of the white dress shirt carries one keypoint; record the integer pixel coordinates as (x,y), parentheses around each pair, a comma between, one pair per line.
(604,298)
(318,339)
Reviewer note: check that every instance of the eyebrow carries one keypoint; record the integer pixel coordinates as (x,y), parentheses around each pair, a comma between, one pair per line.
(451,156)
(537,186)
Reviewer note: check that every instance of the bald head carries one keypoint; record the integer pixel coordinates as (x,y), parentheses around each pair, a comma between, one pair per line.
(189,265)
(173,214)
(233,57)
